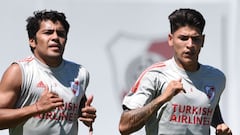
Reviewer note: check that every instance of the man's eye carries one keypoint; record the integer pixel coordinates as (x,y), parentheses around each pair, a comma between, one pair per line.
(61,33)
(196,39)
(48,32)
(184,38)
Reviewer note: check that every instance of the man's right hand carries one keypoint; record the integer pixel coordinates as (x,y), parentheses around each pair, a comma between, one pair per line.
(173,88)
(48,101)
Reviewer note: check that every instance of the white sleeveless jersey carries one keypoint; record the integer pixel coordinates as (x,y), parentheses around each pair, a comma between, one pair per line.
(69,81)
(187,113)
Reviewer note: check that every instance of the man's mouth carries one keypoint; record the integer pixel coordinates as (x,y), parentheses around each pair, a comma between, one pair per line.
(189,53)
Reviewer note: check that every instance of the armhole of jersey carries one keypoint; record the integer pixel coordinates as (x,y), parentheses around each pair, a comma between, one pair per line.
(24,85)
(22,74)
(84,77)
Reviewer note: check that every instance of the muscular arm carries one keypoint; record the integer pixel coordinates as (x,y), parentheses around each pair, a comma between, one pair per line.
(10,87)
(133,120)
(12,117)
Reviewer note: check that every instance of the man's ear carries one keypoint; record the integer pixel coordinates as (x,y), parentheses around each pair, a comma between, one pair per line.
(32,42)
(170,40)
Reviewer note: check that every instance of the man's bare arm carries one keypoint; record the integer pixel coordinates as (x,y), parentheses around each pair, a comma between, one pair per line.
(10,88)
(133,120)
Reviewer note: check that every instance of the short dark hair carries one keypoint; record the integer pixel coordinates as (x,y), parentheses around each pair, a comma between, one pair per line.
(186,17)
(33,22)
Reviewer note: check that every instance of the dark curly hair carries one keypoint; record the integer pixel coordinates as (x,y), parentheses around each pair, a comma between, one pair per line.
(186,17)
(33,22)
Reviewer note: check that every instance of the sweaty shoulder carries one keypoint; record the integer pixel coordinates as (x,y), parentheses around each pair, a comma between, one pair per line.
(212,71)
(75,66)
(71,64)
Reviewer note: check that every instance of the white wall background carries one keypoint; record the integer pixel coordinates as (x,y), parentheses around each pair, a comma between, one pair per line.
(95,23)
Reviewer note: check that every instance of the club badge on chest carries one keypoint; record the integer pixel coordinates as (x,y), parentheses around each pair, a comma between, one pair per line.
(75,87)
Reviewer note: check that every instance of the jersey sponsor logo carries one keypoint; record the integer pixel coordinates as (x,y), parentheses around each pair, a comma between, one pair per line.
(210,91)
(139,52)
(187,114)
(68,112)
